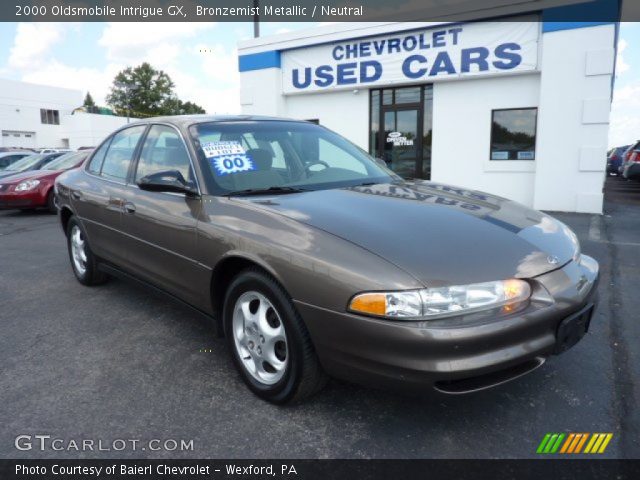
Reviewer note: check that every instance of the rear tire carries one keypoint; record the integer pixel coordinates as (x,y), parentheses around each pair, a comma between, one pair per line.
(83,262)
(268,340)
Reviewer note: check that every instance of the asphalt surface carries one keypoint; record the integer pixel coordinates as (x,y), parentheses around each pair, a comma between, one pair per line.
(118,362)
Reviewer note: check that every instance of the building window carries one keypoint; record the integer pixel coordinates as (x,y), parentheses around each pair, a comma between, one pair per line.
(513,134)
(49,117)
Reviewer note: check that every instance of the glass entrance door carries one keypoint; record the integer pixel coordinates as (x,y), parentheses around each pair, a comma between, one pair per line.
(402,139)
(400,129)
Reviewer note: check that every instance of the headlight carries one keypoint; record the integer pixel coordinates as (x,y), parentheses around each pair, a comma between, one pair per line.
(441,302)
(27,185)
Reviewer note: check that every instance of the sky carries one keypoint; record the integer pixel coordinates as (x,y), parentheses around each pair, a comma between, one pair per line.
(201,59)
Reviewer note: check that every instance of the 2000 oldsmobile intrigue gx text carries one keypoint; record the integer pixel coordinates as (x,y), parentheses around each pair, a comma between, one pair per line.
(317,260)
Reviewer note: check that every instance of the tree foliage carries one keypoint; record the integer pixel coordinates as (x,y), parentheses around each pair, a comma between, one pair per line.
(143,91)
(88,101)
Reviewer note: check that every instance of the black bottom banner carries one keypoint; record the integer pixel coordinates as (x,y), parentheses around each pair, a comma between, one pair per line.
(144,469)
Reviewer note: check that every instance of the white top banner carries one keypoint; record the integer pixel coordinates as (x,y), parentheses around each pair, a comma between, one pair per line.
(421,56)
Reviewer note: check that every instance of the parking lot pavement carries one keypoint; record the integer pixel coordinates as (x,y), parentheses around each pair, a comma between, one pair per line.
(118,362)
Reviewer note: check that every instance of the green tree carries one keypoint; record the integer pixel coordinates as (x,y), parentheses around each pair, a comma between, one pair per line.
(143,91)
(88,101)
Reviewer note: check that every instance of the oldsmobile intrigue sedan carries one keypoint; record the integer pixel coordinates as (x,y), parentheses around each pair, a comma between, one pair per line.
(316,260)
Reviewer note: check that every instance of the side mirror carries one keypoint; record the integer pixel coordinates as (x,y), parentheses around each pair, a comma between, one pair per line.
(167,181)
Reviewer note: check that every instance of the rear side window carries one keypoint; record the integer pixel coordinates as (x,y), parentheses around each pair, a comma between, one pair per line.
(118,158)
(96,161)
(163,150)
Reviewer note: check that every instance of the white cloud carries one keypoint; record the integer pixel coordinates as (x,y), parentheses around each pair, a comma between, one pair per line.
(57,74)
(204,73)
(621,65)
(129,42)
(625,121)
(33,42)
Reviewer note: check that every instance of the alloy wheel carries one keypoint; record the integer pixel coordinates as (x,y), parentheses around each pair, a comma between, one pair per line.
(260,338)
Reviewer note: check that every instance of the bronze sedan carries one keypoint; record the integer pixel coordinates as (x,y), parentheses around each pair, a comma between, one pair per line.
(313,259)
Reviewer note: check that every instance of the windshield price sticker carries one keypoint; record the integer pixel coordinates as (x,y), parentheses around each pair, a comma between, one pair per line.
(217,149)
(226,164)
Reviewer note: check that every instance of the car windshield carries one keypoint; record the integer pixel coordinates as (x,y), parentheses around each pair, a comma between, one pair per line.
(281,157)
(25,163)
(66,161)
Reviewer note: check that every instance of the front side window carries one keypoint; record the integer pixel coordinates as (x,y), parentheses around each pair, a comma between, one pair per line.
(260,155)
(118,158)
(513,134)
(163,150)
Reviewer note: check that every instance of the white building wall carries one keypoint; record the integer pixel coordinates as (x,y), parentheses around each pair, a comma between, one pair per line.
(88,129)
(575,97)
(342,112)
(20,105)
(462,135)
(572,89)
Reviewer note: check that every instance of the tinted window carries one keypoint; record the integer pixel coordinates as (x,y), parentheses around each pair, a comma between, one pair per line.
(163,150)
(513,134)
(96,161)
(118,158)
(260,155)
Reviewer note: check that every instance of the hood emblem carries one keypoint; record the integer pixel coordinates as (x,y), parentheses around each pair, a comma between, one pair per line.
(552,259)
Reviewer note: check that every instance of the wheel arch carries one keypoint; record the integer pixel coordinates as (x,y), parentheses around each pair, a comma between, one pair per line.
(65,215)
(224,272)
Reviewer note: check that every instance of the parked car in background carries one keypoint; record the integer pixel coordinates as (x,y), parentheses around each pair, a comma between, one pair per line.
(316,260)
(33,162)
(34,188)
(54,150)
(614,159)
(7,158)
(631,164)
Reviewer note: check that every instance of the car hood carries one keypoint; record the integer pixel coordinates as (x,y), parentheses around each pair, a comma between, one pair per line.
(30,175)
(442,235)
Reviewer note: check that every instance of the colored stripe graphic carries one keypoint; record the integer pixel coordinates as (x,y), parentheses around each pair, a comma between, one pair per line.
(574,443)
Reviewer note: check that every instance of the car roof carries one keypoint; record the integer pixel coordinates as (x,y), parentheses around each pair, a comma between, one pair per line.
(186,120)
(15,152)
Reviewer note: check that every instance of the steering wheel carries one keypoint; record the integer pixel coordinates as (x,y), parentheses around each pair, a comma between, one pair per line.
(308,166)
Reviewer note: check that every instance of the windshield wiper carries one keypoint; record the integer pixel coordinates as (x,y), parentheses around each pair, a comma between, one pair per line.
(267,191)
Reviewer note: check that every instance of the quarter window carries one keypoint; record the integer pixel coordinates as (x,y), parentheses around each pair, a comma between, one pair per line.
(96,161)
(163,150)
(513,134)
(118,158)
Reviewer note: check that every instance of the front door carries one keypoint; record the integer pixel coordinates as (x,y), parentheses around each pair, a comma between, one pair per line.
(401,125)
(161,226)
(401,140)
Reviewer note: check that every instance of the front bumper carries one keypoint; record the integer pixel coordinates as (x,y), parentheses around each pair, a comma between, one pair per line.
(16,200)
(453,359)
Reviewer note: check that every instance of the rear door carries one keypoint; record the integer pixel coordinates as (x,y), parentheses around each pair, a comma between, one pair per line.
(161,226)
(98,201)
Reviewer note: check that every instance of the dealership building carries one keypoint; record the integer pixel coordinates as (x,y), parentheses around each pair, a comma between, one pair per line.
(40,116)
(517,106)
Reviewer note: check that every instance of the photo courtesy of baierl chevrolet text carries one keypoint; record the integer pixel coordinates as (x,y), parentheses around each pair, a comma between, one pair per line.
(338,239)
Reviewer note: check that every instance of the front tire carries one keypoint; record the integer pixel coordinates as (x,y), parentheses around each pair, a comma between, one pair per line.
(51,202)
(83,262)
(268,340)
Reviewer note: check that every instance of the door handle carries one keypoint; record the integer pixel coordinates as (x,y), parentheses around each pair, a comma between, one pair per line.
(76,194)
(129,208)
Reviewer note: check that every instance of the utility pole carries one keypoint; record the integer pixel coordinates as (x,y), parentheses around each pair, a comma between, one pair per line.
(256,18)
(127,95)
